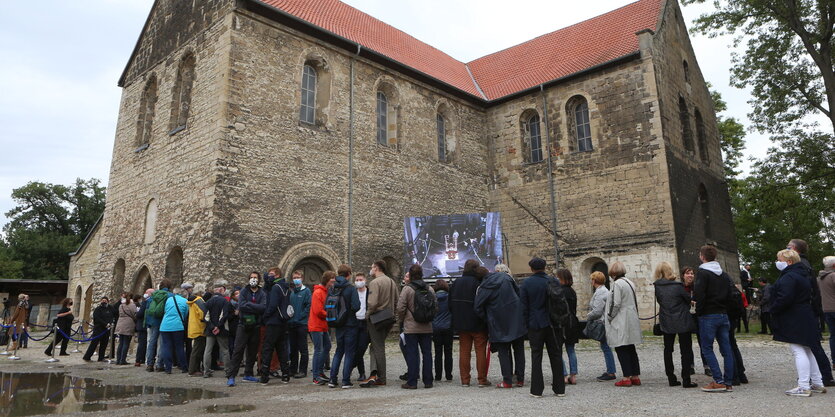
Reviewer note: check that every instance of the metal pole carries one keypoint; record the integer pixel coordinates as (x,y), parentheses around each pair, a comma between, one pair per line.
(112,338)
(78,345)
(551,178)
(54,345)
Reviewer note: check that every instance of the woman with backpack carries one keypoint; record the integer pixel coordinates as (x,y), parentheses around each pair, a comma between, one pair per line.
(675,320)
(125,328)
(623,328)
(442,332)
(572,336)
(416,309)
(317,325)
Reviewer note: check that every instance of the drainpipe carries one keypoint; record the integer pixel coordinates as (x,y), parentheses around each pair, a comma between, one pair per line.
(550,177)
(351,159)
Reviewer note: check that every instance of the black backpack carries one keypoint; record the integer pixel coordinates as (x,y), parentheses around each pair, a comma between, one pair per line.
(336,308)
(734,304)
(558,310)
(426,305)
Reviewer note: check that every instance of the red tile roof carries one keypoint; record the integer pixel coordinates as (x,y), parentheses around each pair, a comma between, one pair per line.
(548,57)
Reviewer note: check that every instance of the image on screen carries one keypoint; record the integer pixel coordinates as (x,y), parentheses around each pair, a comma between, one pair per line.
(442,244)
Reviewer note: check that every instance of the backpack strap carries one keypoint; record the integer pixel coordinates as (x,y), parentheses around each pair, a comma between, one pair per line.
(177,307)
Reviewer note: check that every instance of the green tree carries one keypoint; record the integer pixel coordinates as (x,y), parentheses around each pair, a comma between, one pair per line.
(731,136)
(48,222)
(10,268)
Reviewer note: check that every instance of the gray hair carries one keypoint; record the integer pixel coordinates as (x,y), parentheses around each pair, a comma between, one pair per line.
(503,268)
(829,262)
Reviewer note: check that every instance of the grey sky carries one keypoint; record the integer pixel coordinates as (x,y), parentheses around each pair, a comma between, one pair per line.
(60,63)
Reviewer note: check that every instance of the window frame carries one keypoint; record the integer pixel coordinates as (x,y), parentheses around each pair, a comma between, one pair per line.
(443,152)
(528,126)
(582,119)
(382,119)
(308,92)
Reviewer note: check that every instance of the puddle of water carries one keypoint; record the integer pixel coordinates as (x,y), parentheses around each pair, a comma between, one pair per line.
(26,394)
(229,408)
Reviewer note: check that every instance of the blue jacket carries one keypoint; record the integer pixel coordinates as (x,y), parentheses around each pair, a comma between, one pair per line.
(497,302)
(352,299)
(300,300)
(792,317)
(173,321)
(534,295)
(140,315)
(279,299)
(252,303)
(443,320)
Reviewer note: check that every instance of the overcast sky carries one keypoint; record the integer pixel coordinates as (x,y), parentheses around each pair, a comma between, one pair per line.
(61,61)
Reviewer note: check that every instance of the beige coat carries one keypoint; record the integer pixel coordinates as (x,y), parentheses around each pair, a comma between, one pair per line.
(126,325)
(405,306)
(382,294)
(621,318)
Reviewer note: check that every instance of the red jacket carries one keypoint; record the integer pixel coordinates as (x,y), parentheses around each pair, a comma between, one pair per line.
(317,322)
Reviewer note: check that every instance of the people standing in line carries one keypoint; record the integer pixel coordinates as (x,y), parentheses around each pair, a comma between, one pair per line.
(346,334)
(417,334)
(63,320)
(383,294)
(794,321)
(541,332)
(172,332)
(197,332)
(442,332)
(102,317)
(597,307)
(801,247)
(218,312)
(765,306)
(675,320)
(153,319)
(20,321)
(497,302)
(362,326)
(623,328)
(688,277)
(297,332)
(826,284)
(141,327)
(572,336)
(276,317)
(317,326)
(125,328)
(471,329)
(252,301)
(711,293)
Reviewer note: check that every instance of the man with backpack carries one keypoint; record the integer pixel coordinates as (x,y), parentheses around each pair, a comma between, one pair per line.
(382,300)
(341,307)
(711,293)
(416,309)
(497,302)
(252,302)
(277,315)
(471,329)
(542,295)
(153,319)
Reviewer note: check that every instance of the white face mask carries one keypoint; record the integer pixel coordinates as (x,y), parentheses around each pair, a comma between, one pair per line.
(253,282)
(781,265)
(124,300)
(145,296)
(360,284)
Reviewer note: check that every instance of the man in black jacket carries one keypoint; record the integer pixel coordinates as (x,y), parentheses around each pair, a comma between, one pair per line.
(534,294)
(218,310)
(275,321)
(252,302)
(711,293)
(471,329)
(102,316)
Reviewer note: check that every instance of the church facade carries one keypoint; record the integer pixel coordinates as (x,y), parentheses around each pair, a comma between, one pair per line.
(300,133)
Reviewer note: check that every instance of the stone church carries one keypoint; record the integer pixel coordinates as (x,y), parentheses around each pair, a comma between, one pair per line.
(300,133)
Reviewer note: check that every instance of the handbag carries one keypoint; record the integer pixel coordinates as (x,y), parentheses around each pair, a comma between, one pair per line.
(382,318)
(595,330)
(656,328)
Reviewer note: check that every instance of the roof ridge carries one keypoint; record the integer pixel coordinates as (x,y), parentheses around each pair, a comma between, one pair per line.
(475,82)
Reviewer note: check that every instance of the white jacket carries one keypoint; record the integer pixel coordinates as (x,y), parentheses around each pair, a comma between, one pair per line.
(621,318)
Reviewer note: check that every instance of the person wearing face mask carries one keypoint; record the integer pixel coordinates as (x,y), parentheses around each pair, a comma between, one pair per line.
(276,317)
(362,333)
(252,302)
(125,328)
(382,300)
(346,334)
(270,278)
(141,327)
(300,299)
(102,316)
(317,325)
(794,322)
(64,322)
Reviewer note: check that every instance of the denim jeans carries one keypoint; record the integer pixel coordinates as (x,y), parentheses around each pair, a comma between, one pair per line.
(173,344)
(346,346)
(717,327)
(153,342)
(122,351)
(321,349)
(830,321)
(572,360)
(608,357)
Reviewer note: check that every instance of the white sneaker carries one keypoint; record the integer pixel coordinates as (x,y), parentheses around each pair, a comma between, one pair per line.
(817,389)
(799,392)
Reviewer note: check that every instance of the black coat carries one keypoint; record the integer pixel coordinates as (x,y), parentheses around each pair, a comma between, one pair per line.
(461,302)
(140,315)
(102,316)
(498,303)
(792,318)
(816,300)
(674,311)
(218,312)
(534,294)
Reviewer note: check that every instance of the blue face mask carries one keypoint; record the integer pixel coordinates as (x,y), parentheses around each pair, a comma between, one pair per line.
(297,282)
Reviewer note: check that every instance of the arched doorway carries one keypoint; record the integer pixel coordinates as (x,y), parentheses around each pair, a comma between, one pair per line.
(118,277)
(142,281)
(312,267)
(174,266)
(76,302)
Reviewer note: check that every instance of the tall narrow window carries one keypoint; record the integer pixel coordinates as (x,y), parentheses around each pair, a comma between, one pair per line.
(533,138)
(145,121)
(442,152)
(701,135)
(307,113)
(686,71)
(382,119)
(181,103)
(686,130)
(577,109)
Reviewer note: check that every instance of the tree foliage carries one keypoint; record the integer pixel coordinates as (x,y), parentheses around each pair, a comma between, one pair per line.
(49,221)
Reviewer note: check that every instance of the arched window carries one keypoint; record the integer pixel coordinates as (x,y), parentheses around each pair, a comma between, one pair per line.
(686,130)
(442,150)
(182,95)
(307,112)
(702,137)
(705,209)
(151,221)
(686,71)
(531,138)
(174,266)
(382,119)
(577,109)
(145,121)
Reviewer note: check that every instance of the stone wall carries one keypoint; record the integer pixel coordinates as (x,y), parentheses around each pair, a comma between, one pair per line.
(83,265)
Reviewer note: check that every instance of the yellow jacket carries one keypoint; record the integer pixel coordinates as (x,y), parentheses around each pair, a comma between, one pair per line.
(196,325)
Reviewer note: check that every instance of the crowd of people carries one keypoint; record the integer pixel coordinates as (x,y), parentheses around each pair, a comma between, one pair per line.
(269,321)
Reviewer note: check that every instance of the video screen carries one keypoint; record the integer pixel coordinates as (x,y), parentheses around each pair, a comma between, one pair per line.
(442,244)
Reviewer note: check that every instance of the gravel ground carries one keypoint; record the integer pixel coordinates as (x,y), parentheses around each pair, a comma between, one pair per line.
(770,370)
